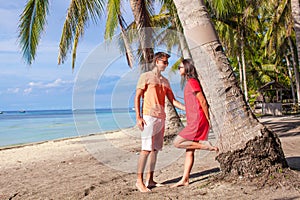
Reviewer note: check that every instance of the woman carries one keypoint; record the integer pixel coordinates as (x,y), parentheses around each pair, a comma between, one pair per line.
(194,135)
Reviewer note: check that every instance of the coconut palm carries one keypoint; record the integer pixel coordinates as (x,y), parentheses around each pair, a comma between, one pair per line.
(78,15)
(277,41)
(142,15)
(241,137)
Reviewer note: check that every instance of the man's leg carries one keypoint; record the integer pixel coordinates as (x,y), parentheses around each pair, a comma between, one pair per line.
(152,162)
(157,144)
(140,171)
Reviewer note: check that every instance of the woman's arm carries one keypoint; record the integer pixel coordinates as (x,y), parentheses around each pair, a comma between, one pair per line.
(203,104)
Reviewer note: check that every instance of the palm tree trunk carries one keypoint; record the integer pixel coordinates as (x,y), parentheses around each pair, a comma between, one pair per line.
(296,16)
(173,122)
(145,31)
(246,146)
(291,77)
(296,70)
(186,54)
(142,20)
(244,68)
(240,72)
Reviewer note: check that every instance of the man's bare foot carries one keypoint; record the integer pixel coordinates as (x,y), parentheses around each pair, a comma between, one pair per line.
(180,183)
(142,187)
(153,184)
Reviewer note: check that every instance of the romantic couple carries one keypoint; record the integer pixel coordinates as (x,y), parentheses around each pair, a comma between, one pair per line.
(153,88)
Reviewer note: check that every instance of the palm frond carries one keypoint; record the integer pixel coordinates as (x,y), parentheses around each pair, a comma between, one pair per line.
(113,11)
(32,24)
(78,15)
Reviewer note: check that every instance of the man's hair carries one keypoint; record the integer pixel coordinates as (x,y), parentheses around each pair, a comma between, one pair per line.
(159,55)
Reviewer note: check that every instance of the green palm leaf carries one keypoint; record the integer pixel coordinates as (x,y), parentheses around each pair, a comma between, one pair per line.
(113,11)
(32,24)
(79,13)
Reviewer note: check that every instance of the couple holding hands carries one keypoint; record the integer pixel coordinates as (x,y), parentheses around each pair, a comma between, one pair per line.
(153,88)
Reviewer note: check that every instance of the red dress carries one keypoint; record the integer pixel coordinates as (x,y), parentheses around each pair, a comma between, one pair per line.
(197,125)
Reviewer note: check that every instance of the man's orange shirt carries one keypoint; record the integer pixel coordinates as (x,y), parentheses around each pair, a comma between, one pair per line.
(155,90)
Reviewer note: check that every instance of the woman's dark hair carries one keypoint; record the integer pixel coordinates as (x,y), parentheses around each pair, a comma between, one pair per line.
(189,70)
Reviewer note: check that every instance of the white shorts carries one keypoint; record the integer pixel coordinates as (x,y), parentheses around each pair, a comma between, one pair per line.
(153,133)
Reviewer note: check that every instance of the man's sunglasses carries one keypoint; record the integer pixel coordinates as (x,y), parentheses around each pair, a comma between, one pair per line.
(165,62)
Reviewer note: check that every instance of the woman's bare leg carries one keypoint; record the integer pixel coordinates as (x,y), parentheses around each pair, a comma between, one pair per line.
(188,164)
(180,142)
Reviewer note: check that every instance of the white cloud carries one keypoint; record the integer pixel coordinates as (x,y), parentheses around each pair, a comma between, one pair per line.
(13,90)
(55,84)
(27,91)
(35,84)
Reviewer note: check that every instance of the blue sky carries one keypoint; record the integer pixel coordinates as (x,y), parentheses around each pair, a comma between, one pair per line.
(46,85)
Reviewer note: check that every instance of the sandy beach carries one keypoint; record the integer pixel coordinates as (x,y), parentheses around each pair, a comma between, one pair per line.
(103,167)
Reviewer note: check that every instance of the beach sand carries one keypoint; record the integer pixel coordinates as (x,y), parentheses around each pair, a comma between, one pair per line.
(103,167)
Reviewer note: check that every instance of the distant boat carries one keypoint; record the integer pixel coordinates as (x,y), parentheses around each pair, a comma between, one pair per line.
(1,112)
(22,111)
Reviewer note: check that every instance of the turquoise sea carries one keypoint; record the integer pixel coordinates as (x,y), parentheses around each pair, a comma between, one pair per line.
(42,125)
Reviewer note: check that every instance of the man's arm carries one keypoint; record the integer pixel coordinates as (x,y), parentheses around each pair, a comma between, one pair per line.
(137,105)
(172,99)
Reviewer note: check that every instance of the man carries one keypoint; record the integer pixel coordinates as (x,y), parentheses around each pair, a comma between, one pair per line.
(153,88)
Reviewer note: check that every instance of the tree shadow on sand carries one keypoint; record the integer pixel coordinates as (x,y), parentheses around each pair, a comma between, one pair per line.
(195,175)
(294,163)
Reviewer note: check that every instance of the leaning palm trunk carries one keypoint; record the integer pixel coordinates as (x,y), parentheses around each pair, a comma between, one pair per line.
(247,148)
(173,122)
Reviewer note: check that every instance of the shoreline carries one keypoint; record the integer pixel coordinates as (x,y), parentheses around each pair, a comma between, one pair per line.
(13,146)
(20,145)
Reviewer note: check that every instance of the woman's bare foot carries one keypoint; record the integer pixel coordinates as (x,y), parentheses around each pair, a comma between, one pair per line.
(141,187)
(208,146)
(180,184)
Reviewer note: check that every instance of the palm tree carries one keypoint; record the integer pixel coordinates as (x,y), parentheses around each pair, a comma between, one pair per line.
(296,16)
(247,148)
(278,41)
(78,15)
(142,11)
(142,15)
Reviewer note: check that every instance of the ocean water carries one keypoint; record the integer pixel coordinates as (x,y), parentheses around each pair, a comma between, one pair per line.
(43,125)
